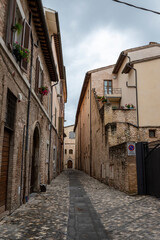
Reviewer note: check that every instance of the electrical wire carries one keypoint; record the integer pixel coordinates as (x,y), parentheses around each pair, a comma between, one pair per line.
(134,6)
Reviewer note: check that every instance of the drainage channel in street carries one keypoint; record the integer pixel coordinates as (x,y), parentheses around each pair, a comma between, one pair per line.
(84,222)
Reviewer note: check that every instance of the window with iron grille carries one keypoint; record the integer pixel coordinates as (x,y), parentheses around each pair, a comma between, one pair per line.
(10,110)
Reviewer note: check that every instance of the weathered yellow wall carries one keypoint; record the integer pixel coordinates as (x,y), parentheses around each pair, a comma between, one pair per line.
(149,92)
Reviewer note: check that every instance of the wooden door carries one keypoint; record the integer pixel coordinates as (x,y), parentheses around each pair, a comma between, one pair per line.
(4,170)
(69,164)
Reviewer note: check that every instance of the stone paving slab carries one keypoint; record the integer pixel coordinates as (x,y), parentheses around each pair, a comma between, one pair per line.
(82,208)
(45,216)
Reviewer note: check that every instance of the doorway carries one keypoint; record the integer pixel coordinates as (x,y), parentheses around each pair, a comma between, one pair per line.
(4,170)
(34,183)
(69,164)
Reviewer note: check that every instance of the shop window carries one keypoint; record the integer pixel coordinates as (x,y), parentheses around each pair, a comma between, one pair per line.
(152,133)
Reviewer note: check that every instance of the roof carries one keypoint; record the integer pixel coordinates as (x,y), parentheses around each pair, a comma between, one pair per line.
(43,36)
(54,29)
(69,126)
(124,53)
(129,66)
(85,84)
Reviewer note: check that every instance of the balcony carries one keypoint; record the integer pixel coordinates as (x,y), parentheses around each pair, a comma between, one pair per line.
(113,94)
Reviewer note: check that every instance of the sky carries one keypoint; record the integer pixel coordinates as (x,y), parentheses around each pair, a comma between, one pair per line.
(93,34)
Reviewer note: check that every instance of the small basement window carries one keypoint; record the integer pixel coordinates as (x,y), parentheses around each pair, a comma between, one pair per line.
(152,133)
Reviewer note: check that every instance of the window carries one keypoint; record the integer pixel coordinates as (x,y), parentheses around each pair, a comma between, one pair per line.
(38,78)
(10,110)
(113,128)
(71,135)
(18,30)
(152,133)
(70,151)
(107,87)
(65,151)
(55,117)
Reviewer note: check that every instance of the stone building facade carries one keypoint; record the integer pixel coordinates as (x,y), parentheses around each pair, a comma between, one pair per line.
(27,135)
(109,116)
(69,147)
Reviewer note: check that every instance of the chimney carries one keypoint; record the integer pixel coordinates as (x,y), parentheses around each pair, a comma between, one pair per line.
(152,43)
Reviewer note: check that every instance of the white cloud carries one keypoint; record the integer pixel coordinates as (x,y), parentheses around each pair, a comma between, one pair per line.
(100,48)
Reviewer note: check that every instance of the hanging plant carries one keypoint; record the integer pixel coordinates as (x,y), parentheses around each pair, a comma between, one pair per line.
(17,28)
(43,90)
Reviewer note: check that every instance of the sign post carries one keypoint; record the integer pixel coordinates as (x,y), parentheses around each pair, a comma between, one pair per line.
(131,148)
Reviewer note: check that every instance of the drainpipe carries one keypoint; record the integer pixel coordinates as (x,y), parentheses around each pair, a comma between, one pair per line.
(21,184)
(135,70)
(28,116)
(90,132)
(50,134)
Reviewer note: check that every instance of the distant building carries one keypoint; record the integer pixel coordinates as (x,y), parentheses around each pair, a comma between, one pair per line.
(69,147)
(118,106)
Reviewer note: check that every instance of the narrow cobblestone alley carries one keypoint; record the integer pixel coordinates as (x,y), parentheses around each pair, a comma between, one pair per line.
(78,207)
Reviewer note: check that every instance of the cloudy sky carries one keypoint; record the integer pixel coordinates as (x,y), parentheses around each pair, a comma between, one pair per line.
(94,32)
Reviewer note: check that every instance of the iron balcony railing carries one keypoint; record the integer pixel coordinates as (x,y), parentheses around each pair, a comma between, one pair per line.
(112,91)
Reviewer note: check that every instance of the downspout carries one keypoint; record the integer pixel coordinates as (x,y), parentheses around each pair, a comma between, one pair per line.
(28,116)
(135,70)
(50,134)
(21,184)
(90,132)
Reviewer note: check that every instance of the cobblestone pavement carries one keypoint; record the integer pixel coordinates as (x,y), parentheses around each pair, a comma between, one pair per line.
(78,207)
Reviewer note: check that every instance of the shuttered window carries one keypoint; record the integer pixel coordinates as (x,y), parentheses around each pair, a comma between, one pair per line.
(25,42)
(10,23)
(10,110)
(60,125)
(39,78)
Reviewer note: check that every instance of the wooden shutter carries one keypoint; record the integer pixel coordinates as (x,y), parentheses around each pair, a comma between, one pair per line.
(42,80)
(10,23)
(25,42)
(60,125)
(37,75)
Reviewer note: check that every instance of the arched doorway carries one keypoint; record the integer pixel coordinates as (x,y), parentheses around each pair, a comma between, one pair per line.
(69,164)
(34,183)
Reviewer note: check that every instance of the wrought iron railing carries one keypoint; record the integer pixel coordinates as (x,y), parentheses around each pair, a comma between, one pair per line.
(111,91)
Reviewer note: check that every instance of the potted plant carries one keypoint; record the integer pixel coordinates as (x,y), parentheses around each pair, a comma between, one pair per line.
(17,28)
(20,53)
(129,106)
(44,90)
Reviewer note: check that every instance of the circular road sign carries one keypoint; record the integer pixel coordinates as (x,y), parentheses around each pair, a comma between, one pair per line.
(131,147)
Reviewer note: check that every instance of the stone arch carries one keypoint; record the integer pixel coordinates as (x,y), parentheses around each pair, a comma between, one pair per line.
(69,163)
(35,163)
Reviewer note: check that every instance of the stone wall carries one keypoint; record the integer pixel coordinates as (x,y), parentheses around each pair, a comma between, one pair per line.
(123,173)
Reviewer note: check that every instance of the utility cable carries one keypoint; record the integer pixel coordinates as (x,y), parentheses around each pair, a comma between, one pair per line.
(134,6)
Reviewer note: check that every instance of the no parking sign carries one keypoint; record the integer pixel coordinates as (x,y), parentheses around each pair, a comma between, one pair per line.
(131,147)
